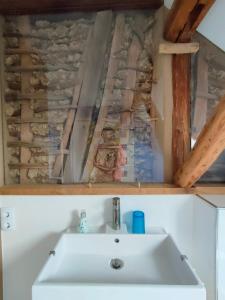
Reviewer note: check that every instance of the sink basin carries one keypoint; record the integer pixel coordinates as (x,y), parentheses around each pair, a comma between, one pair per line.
(117,266)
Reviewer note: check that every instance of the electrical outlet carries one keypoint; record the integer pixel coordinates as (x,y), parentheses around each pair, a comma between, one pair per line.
(7,218)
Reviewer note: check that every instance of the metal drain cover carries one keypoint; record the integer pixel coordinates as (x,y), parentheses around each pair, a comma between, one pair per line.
(116,263)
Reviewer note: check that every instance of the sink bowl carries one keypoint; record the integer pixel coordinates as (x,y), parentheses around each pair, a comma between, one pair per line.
(117,266)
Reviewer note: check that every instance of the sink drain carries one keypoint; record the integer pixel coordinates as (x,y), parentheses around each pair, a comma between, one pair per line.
(116,263)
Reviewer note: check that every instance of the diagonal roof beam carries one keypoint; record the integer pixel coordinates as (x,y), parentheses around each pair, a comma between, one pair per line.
(209,145)
(184,18)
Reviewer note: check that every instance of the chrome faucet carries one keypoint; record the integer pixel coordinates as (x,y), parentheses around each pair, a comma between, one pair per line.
(116,213)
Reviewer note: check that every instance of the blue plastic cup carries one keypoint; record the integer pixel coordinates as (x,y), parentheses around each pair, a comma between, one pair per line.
(138,225)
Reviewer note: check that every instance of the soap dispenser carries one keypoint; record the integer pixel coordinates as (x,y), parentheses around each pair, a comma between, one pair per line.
(83,227)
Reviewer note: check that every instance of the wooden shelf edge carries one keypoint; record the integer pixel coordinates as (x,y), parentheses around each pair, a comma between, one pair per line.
(111,189)
(93,189)
(209,189)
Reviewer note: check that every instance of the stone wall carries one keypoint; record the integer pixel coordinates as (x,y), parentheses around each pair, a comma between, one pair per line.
(43,61)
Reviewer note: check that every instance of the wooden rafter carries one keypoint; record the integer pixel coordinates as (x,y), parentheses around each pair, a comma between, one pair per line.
(71,114)
(184,18)
(182,21)
(107,95)
(88,94)
(57,6)
(208,147)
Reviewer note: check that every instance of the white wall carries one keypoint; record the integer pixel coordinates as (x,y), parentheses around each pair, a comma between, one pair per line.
(213,25)
(40,221)
(221,254)
(218,201)
(204,241)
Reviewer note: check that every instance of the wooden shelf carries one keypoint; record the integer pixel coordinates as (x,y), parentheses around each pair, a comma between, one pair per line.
(93,189)
(111,189)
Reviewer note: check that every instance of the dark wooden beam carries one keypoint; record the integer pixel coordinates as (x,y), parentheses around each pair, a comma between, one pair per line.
(184,18)
(181,109)
(196,16)
(182,21)
(57,6)
(209,145)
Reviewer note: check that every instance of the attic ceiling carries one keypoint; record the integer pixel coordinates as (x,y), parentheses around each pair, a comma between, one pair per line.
(213,24)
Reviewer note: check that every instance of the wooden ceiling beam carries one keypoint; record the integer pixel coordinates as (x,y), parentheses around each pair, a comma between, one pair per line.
(20,7)
(182,21)
(209,145)
(197,15)
(184,18)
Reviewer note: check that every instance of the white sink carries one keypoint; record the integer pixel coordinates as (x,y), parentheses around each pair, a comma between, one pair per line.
(149,267)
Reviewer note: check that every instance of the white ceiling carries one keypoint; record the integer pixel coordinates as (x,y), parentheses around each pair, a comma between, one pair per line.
(213,25)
